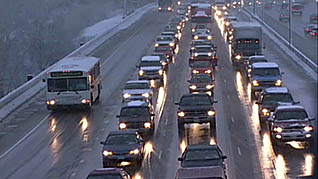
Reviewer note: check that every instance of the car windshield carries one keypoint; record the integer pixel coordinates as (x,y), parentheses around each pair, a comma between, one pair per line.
(195,100)
(202,64)
(266,72)
(288,115)
(162,49)
(203,49)
(201,79)
(166,38)
(105,176)
(150,63)
(67,84)
(137,86)
(121,139)
(206,19)
(273,98)
(134,112)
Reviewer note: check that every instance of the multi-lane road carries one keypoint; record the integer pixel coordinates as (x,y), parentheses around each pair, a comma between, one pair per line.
(66,144)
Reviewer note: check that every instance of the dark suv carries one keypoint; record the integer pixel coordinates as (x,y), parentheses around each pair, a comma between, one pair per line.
(110,173)
(290,123)
(270,98)
(264,75)
(203,83)
(196,108)
(137,115)
(123,148)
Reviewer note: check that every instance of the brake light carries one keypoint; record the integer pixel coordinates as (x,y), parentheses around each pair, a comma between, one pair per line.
(308,30)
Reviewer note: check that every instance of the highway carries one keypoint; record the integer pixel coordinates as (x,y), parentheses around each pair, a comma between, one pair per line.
(66,144)
(306,44)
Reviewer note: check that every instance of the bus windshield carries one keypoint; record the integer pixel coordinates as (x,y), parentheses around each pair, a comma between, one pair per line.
(67,84)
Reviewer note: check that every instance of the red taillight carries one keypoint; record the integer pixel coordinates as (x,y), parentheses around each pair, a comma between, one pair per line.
(308,30)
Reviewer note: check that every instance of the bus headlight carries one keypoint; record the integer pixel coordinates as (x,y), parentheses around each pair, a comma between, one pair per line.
(181,114)
(255,83)
(134,152)
(193,87)
(209,86)
(209,37)
(171,44)
(196,37)
(308,128)
(107,153)
(278,129)
(147,125)
(146,95)
(278,83)
(160,72)
(141,73)
(122,125)
(211,113)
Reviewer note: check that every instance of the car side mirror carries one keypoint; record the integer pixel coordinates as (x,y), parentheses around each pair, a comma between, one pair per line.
(180,159)
(117,116)
(102,142)
(43,80)
(224,157)
(297,102)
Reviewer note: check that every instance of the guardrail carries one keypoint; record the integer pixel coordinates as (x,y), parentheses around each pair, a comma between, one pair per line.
(19,96)
(292,48)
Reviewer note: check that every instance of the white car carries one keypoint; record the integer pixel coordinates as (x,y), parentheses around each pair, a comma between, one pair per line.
(137,90)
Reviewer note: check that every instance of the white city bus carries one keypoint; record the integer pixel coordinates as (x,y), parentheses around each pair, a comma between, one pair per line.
(73,81)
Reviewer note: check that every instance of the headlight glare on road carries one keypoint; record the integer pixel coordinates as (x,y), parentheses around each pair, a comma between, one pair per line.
(147,125)
(134,152)
(122,125)
(308,128)
(181,114)
(278,83)
(107,153)
(211,113)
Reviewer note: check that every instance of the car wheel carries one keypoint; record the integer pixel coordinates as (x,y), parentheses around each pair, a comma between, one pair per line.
(273,141)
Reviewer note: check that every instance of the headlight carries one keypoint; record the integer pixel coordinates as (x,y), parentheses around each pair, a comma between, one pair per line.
(227,23)
(141,72)
(159,8)
(126,95)
(193,30)
(134,152)
(195,71)
(164,63)
(84,101)
(209,86)
(278,129)
(211,113)
(107,153)
(196,37)
(278,83)
(187,19)
(193,87)
(181,114)
(210,54)
(265,112)
(169,9)
(196,54)
(122,126)
(146,95)
(218,13)
(51,102)
(208,71)
(160,72)
(168,56)
(178,27)
(255,83)
(238,57)
(156,45)
(230,32)
(176,35)
(249,70)
(171,44)
(147,125)
(308,128)
(179,3)
(209,37)
(224,8)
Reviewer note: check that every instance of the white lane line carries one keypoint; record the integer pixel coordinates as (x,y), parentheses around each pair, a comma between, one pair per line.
(232,119)
(25,137)
(228,97)
(239,151)
(224,80)
(73,174)
(160,153)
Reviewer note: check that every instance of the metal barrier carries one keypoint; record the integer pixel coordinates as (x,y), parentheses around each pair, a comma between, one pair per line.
(26,91)
(292,48)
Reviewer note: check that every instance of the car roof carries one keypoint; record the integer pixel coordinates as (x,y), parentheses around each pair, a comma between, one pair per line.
(136,103)
(265,65)
(203,46)
(101,171)
(150,58)
(120,132)
(290,108)
(137,81)
(277,90)
(256,56)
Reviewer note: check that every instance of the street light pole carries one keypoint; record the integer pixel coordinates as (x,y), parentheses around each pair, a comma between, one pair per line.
(263,1)
(290,38)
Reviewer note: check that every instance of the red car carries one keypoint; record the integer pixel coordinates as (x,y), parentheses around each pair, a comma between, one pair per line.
(168,51)
(202,67)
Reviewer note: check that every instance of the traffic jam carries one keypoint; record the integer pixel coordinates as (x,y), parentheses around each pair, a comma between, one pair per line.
(124,150)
